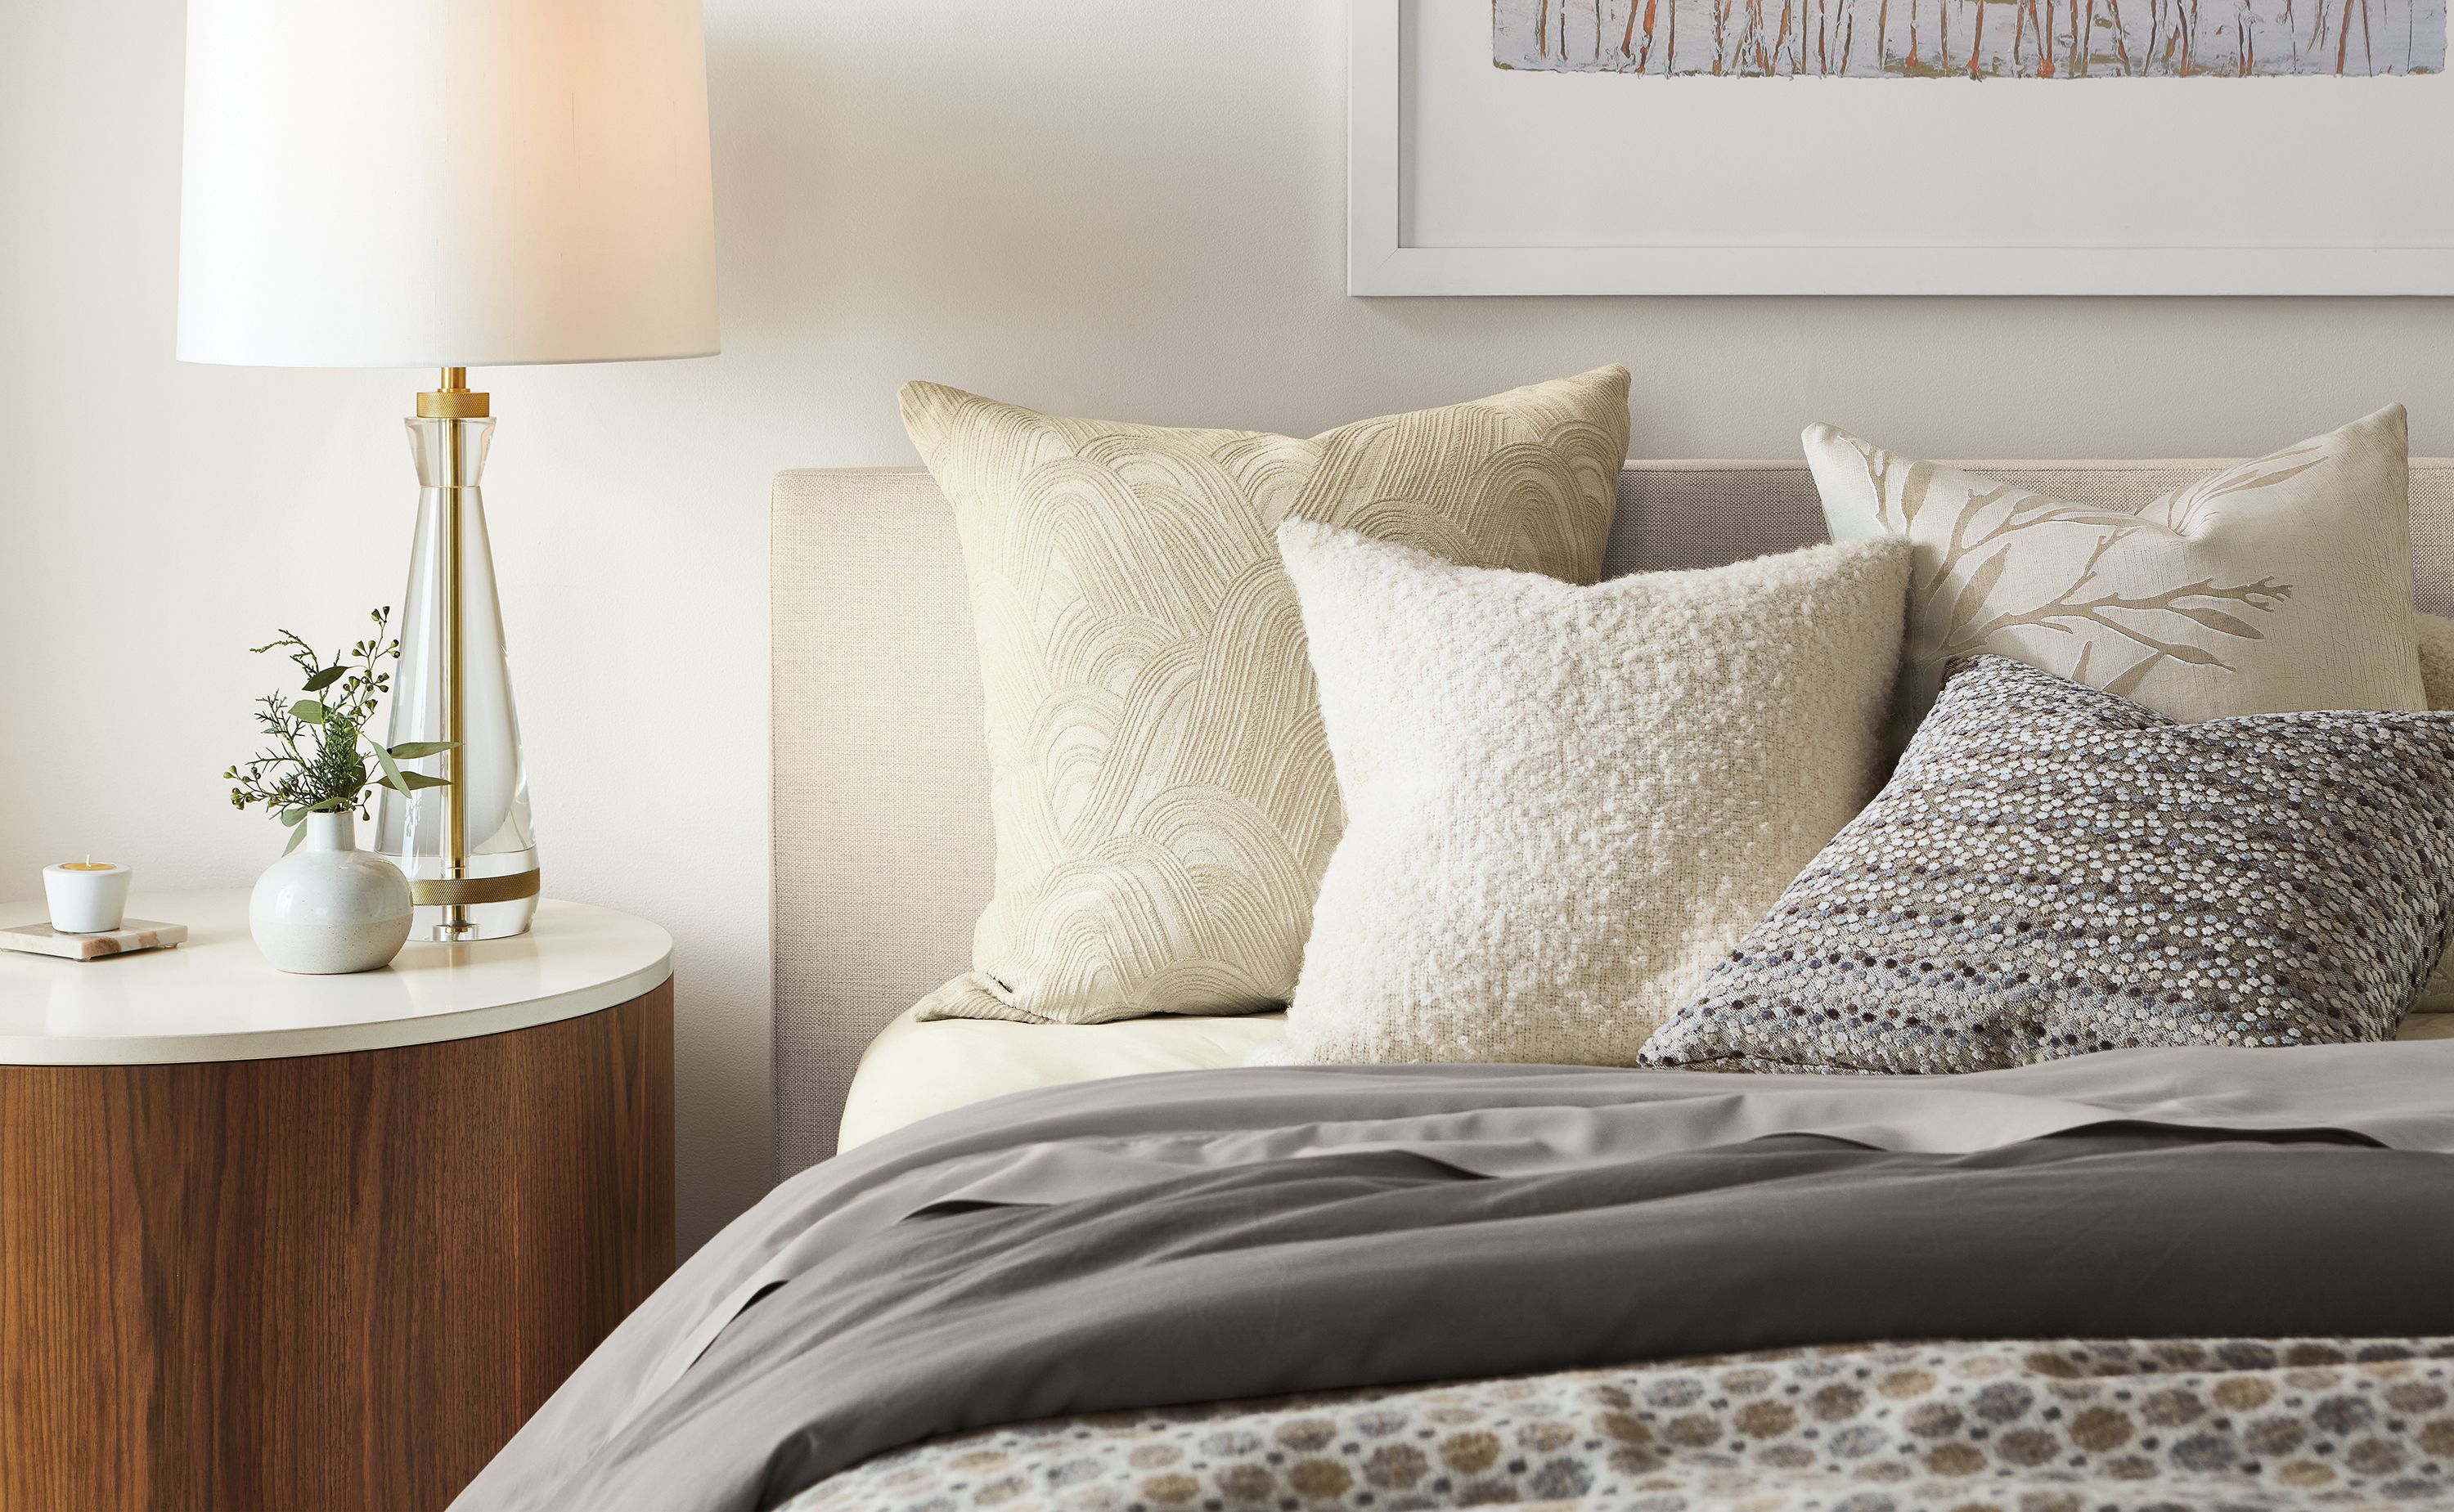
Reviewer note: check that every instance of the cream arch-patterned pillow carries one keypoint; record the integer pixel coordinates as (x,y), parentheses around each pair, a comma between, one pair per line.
(2273,586)
(1162,789)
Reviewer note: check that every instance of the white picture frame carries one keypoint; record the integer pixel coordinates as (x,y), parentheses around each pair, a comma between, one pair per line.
(1381,263)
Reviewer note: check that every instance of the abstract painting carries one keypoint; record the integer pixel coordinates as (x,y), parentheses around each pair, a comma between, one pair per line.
(1976,39)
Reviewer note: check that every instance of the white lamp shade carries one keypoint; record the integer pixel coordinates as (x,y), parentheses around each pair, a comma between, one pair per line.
(444,183)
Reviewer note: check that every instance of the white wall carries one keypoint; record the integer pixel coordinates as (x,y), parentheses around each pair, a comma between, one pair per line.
(1127,207)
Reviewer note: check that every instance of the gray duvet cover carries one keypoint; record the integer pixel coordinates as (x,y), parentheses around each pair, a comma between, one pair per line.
(1211,1236)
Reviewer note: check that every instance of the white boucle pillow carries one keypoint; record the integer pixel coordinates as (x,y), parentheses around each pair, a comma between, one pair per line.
(1566,802)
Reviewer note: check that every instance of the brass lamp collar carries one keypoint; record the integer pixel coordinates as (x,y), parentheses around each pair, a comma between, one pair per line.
(453,399)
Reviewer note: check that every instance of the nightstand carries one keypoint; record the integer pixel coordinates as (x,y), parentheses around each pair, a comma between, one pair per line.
(274,1242)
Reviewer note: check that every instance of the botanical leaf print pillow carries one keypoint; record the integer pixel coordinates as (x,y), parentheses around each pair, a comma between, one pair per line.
(2280,584)
(2053,870)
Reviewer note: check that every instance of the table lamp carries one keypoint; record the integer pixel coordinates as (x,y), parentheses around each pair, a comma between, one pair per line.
(449,183)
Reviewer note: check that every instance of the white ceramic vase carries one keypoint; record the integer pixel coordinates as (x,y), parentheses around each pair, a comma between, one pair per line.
(328,907)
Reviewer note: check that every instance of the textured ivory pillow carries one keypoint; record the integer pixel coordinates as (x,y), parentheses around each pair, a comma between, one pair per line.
(2437,676)
(1161,794)
(1564,804)
(2280,584)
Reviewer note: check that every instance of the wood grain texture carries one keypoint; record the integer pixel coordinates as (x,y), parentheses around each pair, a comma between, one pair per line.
(325,1281)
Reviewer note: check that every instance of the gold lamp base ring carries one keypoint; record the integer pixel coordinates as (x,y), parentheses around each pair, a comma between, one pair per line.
(436,892)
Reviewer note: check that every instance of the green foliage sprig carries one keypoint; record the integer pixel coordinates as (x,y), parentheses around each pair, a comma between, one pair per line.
(324,760)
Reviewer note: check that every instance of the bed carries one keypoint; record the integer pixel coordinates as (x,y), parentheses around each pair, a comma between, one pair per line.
(882,853)
(1032,1279)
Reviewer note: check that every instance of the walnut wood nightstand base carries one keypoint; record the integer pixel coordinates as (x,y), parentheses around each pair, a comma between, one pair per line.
(325,1281)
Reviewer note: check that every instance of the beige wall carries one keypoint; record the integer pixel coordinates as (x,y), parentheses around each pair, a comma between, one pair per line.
(1132,208)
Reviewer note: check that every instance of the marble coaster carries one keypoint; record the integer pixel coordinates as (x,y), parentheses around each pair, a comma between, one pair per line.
(40,939)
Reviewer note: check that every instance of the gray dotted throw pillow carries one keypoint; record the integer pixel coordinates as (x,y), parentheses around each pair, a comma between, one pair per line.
(2053,870)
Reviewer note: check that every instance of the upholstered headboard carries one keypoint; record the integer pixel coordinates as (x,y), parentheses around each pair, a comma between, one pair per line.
(882,843)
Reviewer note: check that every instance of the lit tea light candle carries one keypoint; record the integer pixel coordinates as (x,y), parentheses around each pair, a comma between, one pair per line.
(86,897)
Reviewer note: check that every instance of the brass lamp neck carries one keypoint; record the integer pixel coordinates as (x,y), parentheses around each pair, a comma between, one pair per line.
(453,399)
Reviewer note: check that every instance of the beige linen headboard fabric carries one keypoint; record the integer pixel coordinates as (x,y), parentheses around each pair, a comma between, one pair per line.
(881,845)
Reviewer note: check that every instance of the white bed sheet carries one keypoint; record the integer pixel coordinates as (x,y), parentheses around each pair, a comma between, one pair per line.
(913,1070)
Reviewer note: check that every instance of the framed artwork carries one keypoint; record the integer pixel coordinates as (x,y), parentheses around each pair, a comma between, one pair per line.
(1899,147)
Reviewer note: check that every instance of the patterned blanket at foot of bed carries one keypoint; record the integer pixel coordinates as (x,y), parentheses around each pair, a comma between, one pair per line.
(2016,1427)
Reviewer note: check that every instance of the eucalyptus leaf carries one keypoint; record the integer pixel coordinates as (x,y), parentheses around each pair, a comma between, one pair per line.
(391,768)
(409,750)
(308,711)
(413,782)
(325,679)
(297,834)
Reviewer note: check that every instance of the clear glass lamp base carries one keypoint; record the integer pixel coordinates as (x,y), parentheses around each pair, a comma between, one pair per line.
(467,847)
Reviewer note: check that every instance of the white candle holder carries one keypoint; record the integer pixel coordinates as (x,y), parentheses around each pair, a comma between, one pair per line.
(86,897)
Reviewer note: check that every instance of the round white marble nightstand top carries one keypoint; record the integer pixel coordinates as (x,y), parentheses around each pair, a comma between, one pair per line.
(215,998)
